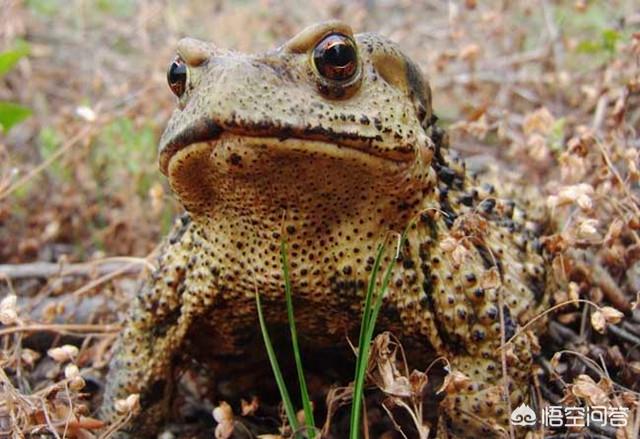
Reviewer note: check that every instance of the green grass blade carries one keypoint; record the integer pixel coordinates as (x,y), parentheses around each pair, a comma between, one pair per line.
(383,289)
(366,313)
(363,349)
(12,114)
(306,402)
(9,58)
(369,317)
(282,387)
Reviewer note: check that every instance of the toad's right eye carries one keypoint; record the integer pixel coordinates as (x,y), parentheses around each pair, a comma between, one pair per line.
(336,57)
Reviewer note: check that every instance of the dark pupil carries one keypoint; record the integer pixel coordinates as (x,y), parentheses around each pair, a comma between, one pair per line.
(336,58)
(339,54)
(177,77)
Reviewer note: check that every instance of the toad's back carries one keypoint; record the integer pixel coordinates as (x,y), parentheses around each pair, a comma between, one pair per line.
(328,142)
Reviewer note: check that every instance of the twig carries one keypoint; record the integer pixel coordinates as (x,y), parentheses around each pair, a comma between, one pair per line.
(66,329)
(636,423)
(80,135)
(609,287)
(393,420)
(115,426)
(554,36)
(631,328)
(49,269)
(567,334)
(549,394)
(554,376)
(503,361)
(599,114)
(578,436)
(623,334)
(50,426)
(102,279)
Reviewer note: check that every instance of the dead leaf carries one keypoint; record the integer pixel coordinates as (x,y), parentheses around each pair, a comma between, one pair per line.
(454,381)
(585,388)
(555,360)
(249,408)
(223,415)
(612,315)
(598,322)
(540,121)
(490,278)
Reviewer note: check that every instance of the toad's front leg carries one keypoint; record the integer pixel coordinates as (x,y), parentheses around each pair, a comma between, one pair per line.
(159,319)
(469,306)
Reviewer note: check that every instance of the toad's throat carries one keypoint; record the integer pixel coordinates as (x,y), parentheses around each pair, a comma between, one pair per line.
(275,135)
(259,176)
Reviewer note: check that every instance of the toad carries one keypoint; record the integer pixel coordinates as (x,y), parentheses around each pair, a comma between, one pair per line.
(330,143)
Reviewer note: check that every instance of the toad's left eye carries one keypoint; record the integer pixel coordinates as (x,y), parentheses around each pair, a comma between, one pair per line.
(336,57)
(177,77)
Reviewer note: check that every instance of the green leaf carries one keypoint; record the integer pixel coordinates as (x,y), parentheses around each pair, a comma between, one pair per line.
(588,47)
(271,353)
(363,348)
(556,136)
(304,393)
(10,58)
(610,38)
(372,306)
(12,114)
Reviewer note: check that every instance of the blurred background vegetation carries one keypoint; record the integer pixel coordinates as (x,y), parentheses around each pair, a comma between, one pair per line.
(83,92)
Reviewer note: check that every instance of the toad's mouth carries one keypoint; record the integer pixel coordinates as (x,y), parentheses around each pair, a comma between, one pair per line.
(318,140)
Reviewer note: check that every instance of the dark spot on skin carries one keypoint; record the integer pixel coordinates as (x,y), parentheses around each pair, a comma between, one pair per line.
(466,199)
(509,224)
(537,285)
(509,325)
(487,205)
(477,335)
(446,174)
(449,215)
(433,228)
(175,237)
(489,188)
(487,258)
(235,159)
